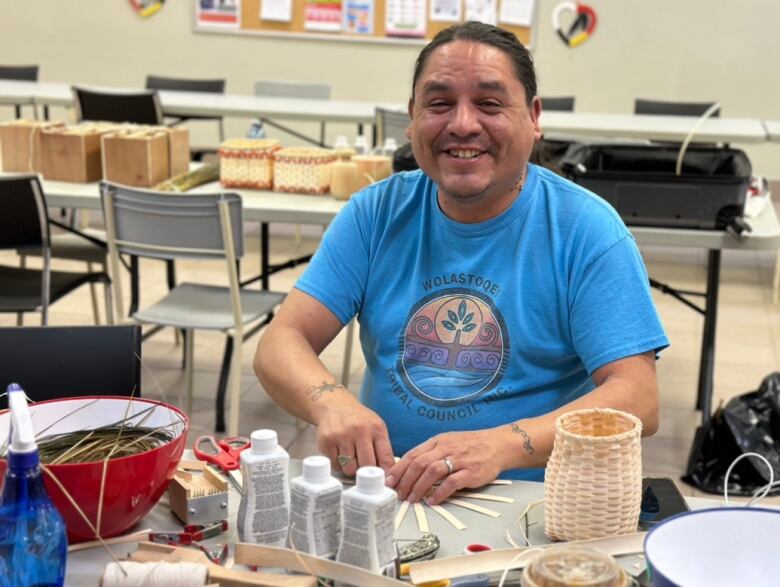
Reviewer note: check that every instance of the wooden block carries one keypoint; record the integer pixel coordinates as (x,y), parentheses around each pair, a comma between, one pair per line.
(178,151)
(20,145)
(73,154)
(136,158)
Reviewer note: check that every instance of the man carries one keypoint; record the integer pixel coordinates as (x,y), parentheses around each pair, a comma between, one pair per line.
(492,295)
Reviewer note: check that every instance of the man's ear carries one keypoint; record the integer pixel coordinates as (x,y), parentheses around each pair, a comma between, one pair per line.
(536,112)
(410,110)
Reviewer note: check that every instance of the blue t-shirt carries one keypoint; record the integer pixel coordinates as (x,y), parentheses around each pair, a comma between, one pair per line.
(469,326)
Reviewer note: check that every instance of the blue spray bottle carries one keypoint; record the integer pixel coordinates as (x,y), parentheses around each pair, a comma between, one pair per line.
(33,542)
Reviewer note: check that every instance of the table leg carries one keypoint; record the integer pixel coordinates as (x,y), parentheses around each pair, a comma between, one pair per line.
(265,264)
(707,361)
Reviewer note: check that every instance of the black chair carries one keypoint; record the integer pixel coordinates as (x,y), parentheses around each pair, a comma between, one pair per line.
(660,107)
(206,86)
(71,361)
(24,225)
(22,73)
(558,103)
(137,107)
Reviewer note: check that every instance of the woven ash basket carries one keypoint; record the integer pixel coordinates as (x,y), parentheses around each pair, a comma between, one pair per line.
(593,482)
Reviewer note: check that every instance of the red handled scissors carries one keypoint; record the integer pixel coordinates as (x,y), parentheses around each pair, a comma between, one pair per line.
(223,453)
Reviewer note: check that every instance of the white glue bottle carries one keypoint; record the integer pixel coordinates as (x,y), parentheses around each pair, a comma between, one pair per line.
(315,509)
(368,531)
(264,513)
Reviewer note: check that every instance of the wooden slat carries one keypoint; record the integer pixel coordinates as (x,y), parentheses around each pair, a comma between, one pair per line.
(474,507)
(451,518)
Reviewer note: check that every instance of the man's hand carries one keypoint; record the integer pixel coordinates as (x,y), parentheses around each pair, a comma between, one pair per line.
(346,428)
(475,457)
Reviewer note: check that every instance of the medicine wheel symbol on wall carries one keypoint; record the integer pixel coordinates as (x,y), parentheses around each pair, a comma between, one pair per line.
(454,347)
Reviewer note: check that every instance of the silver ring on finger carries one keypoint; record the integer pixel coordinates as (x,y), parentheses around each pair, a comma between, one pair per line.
(344,460)
(450,466)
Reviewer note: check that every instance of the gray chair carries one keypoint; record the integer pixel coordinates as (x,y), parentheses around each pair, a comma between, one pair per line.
(22,73)
(137,107)
(558,103)
(390,124)
(192,227)
(660,107)
(206,86)
(306,91)
(24,225)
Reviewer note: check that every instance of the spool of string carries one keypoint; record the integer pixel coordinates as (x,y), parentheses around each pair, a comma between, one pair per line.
(156,574)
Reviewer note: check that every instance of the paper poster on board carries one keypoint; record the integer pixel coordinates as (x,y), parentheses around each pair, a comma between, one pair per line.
(482,11)
(405,18)
(322,15)
(445,11)
(276,10)
(517,12)
(218,13)
(359,17)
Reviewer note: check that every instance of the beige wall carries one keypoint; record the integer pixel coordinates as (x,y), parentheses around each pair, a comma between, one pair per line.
(668,49)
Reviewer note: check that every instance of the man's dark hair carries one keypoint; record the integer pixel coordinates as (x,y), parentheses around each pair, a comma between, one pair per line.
(478,32)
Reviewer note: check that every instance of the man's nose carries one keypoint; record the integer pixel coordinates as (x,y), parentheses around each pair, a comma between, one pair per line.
(465,120)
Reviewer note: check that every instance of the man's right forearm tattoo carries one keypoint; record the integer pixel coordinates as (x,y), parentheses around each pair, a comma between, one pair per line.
(315,391)
(526,439)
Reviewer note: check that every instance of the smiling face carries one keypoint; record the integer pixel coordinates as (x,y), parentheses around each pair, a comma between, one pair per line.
(472,130)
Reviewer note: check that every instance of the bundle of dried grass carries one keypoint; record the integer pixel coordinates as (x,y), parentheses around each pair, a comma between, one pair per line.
(89,446)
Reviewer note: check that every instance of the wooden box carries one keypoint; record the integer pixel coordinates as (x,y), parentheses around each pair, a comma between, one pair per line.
(144,156)
(178,150)
(20,145)
(73,153)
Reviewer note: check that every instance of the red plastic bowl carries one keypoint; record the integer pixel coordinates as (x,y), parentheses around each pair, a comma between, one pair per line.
(133,484)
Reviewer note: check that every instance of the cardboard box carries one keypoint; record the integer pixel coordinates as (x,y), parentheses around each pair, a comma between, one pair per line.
(20,144)
(73,153)
(145,156)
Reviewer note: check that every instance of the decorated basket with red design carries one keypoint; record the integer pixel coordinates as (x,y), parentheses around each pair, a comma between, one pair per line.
(303,170)
(247,163)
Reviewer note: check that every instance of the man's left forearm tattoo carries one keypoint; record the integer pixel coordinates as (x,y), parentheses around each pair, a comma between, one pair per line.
(529,448)
(315,391)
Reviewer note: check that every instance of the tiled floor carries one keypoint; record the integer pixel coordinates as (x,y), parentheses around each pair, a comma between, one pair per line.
(748,346)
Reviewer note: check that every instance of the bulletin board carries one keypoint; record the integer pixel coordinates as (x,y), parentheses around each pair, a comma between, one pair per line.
(251,23)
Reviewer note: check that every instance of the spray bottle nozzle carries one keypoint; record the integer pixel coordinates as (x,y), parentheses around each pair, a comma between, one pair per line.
(22,433)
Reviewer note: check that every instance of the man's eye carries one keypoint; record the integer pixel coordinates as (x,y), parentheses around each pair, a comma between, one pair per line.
(490,104)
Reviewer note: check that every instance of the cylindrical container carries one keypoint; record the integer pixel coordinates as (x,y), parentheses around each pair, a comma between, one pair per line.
(344,181)
(570,566)
(593,481)
(368,530)
(372,168)
(315,509)
(361,144)
(264,512)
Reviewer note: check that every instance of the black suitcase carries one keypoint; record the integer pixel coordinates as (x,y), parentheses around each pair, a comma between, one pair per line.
(640,182)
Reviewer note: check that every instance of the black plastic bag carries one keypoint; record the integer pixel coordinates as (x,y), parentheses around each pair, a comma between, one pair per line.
(748,423)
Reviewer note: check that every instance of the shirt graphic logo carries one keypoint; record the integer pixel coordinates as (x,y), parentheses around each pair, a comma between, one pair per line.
(454,347)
